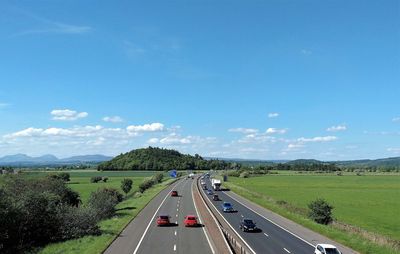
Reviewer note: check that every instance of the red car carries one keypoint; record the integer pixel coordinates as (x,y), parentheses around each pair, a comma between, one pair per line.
(190,221)
(174,193)
(163,220)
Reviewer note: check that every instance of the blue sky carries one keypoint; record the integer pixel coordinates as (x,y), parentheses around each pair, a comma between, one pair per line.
(244,79)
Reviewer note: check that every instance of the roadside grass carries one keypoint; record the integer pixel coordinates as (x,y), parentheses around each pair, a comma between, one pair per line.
(127,210)
(368,202)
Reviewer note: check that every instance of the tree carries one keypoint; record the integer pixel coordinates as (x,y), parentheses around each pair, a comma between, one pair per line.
(126,185)
(64,176)
(103,201)
(320,211)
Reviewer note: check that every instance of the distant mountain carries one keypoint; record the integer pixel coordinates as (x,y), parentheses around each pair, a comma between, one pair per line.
(24,160)
(385,162)
(304,162)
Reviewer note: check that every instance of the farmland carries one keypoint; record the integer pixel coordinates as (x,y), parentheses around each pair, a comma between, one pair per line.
(369,202)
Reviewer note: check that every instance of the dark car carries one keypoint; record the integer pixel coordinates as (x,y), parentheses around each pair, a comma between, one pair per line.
(209,192)
(163,220)
(174,193)
(215,197)
(227,207)
(247,225)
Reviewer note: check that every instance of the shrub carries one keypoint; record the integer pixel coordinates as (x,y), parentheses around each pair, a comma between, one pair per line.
(126,185)
(64,176)
(104,179)
(147,183)
(157,178)
(95,179)
(77,222)
(320,211)
(244,174)
(103,202)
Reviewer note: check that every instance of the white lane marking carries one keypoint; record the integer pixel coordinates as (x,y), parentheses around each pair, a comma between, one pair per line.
(216,222)
(177,209)
(248,246)
(242,215)
(176,215)
(198,215)
(175,232)
(176,222)
(286,250)
(174,247)
(266,234)
(293,234)
(151,221)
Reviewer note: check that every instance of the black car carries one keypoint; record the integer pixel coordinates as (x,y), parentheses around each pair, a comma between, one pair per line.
(215,197)
(248,225)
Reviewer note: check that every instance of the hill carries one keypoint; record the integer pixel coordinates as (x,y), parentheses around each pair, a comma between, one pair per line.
(23,160)
(153,158)
(379,163)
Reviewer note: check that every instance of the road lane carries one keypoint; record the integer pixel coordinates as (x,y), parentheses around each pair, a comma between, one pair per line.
(271,240)
(177,238)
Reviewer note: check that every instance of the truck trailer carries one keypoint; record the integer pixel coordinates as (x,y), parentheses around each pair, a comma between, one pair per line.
(216,184)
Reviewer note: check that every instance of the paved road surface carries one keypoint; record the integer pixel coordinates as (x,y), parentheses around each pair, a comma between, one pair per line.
(143,235)
(270,240)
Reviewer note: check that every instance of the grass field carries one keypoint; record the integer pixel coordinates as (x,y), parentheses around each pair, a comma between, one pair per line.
(369,202)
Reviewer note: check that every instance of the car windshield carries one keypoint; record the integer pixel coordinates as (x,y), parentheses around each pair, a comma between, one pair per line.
(227,205)
(331,251)
(164,217)
(191,218)
(248,222)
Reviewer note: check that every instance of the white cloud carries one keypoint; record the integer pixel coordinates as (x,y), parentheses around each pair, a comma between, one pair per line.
(273,115)
(275,131)
(153,127)
(29,132)
(395,150)
(396,119)
(67,114)
(113,119)
(317,139)
(295,146)
(243,130)
(337,128)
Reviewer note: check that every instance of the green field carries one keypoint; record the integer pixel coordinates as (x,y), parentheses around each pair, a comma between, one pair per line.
(369,202)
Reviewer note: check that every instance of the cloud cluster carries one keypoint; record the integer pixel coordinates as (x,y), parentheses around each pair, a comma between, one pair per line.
(273,115)
(275,131)
(317,139)
(243,130)
(337,128)
(113,119)
(67,114)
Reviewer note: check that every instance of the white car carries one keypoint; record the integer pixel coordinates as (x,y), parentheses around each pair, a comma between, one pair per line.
(326,249)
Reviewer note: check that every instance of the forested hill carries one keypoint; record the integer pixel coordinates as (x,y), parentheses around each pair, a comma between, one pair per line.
(153,158)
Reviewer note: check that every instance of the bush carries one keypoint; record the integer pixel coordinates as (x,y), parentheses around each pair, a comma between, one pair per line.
(320,211)
(157,178)
(77,222)
(64,176)
(103,202)
(146,184)
(126,185)
(104,179)
(244,174)
(95,179)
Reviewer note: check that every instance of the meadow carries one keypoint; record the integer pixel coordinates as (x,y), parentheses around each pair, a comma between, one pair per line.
(369,202)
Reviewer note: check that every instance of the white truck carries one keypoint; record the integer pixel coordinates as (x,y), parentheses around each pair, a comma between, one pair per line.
(216,184)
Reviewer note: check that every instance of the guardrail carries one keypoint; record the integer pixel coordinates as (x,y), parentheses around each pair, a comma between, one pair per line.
(235,242)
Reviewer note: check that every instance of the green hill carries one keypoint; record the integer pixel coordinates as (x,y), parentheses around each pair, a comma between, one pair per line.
(153,158)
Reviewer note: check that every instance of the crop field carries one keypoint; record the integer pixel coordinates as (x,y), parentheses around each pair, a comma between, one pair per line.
(369,202)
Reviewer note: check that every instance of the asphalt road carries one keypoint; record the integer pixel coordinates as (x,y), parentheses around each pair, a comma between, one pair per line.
(271,239)
(144,236)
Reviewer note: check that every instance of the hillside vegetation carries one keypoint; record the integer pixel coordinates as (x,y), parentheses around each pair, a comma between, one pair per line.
(153,158)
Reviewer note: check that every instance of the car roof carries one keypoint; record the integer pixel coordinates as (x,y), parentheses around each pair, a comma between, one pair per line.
(190,215)
(327,246)
(163,215)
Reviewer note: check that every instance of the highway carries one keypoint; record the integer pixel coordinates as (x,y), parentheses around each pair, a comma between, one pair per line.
(271,239)
(146,237)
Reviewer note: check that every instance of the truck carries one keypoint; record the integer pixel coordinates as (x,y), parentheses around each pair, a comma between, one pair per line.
(216,184)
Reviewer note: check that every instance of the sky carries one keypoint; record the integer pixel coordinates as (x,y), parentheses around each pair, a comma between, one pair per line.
(272,79)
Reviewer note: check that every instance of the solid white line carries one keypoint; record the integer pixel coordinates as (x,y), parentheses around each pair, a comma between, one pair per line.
(174,247)
(293,234)
(248,246)
(286,250)
(216,222)
(151,221)
(266,234)
(198,215)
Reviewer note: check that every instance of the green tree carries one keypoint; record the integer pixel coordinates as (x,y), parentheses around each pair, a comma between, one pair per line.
(126,185)
(320,211)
